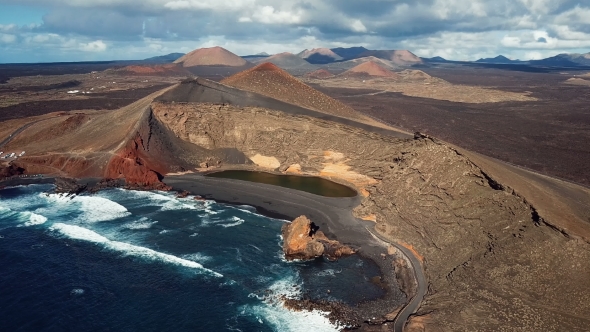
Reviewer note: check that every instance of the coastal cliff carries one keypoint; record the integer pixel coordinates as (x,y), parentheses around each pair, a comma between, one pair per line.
(468,232)
(484,248)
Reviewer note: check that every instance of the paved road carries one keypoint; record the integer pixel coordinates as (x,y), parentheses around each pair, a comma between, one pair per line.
(18,131)
(421,289)
(365,94)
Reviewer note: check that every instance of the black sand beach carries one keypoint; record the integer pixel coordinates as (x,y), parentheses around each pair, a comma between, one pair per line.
(332,215)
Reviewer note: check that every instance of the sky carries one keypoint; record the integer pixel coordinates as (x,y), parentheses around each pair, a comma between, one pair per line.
(83,30)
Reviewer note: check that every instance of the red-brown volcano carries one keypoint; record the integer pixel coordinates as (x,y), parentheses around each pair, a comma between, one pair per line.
(269,80)
(369,68)
(214,56)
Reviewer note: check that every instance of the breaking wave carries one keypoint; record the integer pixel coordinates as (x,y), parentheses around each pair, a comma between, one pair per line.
(91,208)
(126,249)
(35,219)
(142,223)
(273,312)
(26,218)
(237,222)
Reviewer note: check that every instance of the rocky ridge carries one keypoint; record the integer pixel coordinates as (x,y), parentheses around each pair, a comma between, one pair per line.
(475,238)
(269,80)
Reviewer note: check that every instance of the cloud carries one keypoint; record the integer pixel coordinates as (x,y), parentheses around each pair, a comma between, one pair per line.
(7,38)
(95,46)
(358,26)
(429,27)
(233,5)
(270,15)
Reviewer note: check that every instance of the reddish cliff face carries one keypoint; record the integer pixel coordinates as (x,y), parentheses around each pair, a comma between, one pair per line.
(130,165)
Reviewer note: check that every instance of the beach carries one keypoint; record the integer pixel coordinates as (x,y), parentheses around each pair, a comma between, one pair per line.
(332,215)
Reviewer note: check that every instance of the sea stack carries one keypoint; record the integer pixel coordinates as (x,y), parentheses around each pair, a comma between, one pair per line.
(302,240)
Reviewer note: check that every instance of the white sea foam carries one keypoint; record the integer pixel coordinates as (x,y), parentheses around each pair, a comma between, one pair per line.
(77,291)
(35,219)
(93,208)
(126,249)
(27,218)
(282,319)
(272,311)
(166,201)
(328,272)
(142,223)
(237,221)
(247,209)
(255,247)
(197,257)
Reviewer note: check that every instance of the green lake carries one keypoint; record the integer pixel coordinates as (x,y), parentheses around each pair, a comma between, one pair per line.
(310,184)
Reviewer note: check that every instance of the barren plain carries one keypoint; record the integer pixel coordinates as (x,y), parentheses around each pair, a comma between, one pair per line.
(545,128)
(502,249)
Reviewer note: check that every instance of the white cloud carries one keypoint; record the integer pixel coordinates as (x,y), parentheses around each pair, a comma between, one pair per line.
(7,38)
(8,27)
(95,46)
(541,39)
(233,5)
(454,29)
(270,15)
(358,26)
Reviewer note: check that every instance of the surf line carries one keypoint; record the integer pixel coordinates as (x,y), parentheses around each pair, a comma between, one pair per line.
(84,234)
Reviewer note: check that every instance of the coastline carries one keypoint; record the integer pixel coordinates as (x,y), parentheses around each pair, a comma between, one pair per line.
(332,215)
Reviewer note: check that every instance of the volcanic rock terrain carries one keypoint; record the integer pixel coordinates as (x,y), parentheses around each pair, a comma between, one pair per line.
(154,70)
(302,240)
(416,83)
(493,260)
(290,62)
(319,55)
(269,80)
(398,57)
(368,68)
(319,74)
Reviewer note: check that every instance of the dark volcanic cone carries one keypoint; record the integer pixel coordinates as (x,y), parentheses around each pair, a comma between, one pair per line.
(269,80)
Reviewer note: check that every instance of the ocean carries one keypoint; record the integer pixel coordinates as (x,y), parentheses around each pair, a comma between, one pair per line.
(123,260)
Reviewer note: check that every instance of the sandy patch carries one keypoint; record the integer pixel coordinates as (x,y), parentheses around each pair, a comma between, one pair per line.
(266,162)
(294,169)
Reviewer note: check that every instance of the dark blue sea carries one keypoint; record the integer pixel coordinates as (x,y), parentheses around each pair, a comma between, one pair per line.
(124,260)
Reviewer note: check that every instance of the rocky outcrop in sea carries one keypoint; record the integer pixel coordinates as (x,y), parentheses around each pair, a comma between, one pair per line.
(303,240)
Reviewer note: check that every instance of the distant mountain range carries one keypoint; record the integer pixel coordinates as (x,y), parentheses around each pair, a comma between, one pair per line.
(565,60)
(560,60)
(165,58)
(403,58)
(499,59)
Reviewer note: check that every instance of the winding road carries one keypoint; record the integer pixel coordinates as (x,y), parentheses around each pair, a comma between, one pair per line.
(18,131)
(421,288)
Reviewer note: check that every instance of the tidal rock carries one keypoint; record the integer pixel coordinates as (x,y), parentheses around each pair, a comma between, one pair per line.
(302,240)
(69,186)
(182,194)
